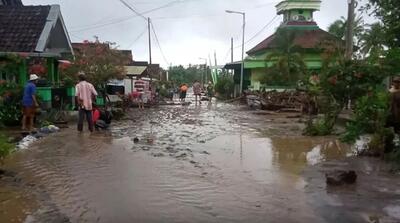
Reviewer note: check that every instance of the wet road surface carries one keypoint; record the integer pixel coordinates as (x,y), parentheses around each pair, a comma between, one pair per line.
(219,163)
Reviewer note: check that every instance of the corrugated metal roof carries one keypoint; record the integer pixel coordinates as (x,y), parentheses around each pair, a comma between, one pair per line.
(135,70)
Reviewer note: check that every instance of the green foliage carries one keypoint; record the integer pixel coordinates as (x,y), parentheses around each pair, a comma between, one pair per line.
(100,61)
(225,86)
(10,105)
(339,27)
(9,63)
(322,126)
(288,64)
(5,148)
(388,12)
(352,80)
(339,82)
(188,75)
(372,45)
(369,117)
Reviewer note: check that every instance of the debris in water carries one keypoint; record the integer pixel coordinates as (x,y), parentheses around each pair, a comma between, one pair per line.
(158,154)
(340,177)
(26,142)
(136,140)
(314,156)
(205,152)
(181,155)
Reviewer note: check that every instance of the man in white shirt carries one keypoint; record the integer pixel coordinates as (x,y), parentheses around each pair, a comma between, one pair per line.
(85,93)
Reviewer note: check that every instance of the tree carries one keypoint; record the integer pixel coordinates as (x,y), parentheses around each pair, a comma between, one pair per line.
(388,12)
(100,62)
(288,64)
(338,28)
(188,75)
(372,44)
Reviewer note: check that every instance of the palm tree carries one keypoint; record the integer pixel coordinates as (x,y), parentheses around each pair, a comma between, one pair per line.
(287,60)
(339,27)
(372,42)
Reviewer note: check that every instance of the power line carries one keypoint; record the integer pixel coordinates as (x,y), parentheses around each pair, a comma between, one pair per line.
(158,43)
(132,9)
(262,29)
(138,37)
(125,18)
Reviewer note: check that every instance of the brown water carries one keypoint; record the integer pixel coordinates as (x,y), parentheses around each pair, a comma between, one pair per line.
(192,164)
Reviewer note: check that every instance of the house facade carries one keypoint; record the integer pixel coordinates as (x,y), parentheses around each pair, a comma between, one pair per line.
(307,37)
(33,39)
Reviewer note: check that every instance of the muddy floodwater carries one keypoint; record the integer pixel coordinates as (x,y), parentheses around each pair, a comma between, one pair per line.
(219,163)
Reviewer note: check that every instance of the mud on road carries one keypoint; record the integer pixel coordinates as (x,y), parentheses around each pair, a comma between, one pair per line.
(219,163)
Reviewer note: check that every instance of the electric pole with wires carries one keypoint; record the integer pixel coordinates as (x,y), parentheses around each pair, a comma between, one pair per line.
(149,27)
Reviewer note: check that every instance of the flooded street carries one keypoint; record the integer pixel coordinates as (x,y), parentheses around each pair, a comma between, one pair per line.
(219,163)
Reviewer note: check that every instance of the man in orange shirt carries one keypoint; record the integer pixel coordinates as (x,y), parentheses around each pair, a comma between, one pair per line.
(183,90)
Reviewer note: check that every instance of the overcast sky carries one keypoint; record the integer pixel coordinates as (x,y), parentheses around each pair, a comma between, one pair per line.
(186,29)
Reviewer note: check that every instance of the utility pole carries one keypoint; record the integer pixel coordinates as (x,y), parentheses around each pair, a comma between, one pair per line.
(350,29)
(211,70)
(242,67)
(215,58)
(231,50)
(148,23)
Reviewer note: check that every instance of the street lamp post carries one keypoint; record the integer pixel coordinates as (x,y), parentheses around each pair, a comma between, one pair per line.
(205,70)
(242,67)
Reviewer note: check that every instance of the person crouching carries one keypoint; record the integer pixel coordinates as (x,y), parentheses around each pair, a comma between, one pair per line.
(101,119)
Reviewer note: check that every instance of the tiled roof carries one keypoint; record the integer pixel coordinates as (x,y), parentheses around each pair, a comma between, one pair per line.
(306,39)
(10,2)
(21,27)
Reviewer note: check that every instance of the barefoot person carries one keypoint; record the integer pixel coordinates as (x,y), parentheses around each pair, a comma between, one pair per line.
(197,91)
(210,91)
(29,103)
(183,91)
(85,92)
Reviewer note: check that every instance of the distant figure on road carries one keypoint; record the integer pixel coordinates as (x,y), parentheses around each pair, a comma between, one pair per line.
(210,91)
(197,91)
(183,89)
(85,93)
(29,103)
(140,86)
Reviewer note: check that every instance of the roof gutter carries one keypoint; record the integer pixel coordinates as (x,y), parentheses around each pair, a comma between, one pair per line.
(31,54)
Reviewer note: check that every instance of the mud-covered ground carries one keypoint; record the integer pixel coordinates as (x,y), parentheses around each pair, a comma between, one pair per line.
(218,163)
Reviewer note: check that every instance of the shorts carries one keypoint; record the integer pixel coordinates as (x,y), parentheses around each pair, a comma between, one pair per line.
(29,111)
(183,95)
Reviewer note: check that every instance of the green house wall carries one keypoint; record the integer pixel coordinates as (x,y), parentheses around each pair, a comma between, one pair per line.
(257,64)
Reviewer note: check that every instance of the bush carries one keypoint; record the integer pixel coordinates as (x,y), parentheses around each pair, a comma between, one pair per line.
(325,125)
(369,117)
(5,148)
(225,87)
(10,101)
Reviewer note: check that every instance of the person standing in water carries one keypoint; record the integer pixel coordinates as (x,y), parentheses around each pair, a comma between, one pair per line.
(29,103)
(197,91)
(85,93)
(210,91)
(183,90)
